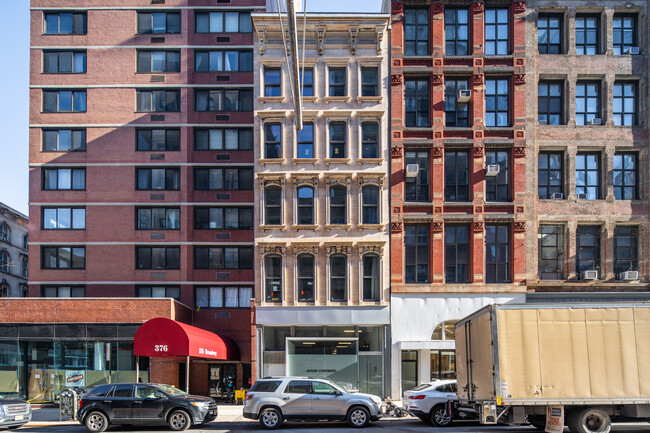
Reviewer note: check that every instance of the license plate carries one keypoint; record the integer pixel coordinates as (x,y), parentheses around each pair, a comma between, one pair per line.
(18,417)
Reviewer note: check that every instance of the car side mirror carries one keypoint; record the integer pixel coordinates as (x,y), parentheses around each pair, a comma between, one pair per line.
(337,392)
(159,394)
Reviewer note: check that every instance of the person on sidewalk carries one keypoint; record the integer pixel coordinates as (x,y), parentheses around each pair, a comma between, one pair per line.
(229,390)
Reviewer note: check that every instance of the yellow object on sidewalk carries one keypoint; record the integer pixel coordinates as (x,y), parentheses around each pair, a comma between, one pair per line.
(240,395)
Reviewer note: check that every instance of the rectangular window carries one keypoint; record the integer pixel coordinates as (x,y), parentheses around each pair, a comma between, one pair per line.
(65,23)
(551,252)
(549,34)
(306,141)
(158,218)
(64,218)
(550,174)
(587,34)
(272,82)
(457,249)
(457,175)
(64,62)
(64,101)
(63,291)
(63,257)
(223,258)
(456,107)
(624,33)
(158,292)
(497,32)
(223,100)
(158,139)
(223,218)
(626,176)
(588,176)
(587,102)
(223,61)
(497,188)
(416,253)
(223,139)
(337,81)
(158,100)
(307,81)
(497,253)
(272,140)
(159,61)
(150,179)
(587,249)
(223,297)
(159,22)
(370,140)
(417,187)
(223,22)
(64,178)
(549,102)
(626,254)
(416,103)
(223,178)
(338,140)
(456,32)
(369,82)
(497,102)
(625,106)
(416,31)
(158,257)
(64,140)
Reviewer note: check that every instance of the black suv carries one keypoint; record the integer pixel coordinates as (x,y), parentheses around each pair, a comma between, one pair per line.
(143,403)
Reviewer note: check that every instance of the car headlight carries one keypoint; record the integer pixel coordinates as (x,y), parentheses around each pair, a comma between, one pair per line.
(201,404)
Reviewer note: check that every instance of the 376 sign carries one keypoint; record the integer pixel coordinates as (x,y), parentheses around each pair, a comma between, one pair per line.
(160,348)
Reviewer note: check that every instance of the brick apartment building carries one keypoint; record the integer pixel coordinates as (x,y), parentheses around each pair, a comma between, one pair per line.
(141,160)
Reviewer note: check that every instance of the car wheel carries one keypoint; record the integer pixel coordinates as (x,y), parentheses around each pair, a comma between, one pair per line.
(358,417)
(589,420)
(179,420)
(440,417)
(96,422)
(270,418)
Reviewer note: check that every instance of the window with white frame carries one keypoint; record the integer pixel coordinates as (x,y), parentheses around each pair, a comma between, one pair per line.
(337,81)
(370,274)
(370,204)
(305,205)
(306,141)
(272,82)
(369,81)
(338,140)
(273,277)
(272,205)
(338,205)
(370,140)
(272,140)
(223,297)
(338,277)
(306,266)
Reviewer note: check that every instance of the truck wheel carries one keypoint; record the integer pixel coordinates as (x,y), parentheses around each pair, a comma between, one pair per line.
(439,416)
(537,421)
(270,418)
(589,420)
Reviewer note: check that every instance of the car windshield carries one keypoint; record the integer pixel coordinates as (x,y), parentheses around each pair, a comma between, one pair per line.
(340,388)
(170,390)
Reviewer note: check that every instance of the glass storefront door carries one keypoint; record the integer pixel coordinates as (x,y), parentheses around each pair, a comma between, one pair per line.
(409,369)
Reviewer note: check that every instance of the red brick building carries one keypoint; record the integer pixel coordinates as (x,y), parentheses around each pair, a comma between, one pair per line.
(458,198)
(141,158)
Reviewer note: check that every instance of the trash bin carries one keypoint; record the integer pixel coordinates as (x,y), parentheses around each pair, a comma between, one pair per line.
(240,396)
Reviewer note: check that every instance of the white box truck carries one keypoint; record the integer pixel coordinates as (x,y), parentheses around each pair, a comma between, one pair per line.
(579,365)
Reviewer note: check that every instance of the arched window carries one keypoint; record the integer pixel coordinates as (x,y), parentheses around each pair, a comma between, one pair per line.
(370,265)
(338,277)
(273,277)
(4,233)
(370,204)
(272,205)
(445,331)
(338,205)
(4,262)
(305,205)
(306,273)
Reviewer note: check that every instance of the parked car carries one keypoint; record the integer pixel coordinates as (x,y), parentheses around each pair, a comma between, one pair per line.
(275,399)
(14,413)
(143,403)
(429,401)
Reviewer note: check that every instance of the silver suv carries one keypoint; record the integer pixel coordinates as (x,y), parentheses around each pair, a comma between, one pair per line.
(275,399)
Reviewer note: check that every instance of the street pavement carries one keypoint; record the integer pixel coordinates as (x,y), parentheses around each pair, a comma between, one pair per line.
(230,420)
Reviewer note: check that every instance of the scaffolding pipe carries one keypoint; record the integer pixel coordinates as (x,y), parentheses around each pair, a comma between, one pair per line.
(293,49)
(187,375)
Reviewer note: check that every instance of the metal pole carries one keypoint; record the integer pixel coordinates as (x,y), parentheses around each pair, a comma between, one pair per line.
(187,374)
(293,49)
(137,368)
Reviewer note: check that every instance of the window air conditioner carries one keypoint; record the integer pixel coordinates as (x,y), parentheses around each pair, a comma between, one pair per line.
(557,196)
(590,275)
(492,170)
(464,95)
(412,170)
(596,121)
(629,275)
(582,196)
(631,50)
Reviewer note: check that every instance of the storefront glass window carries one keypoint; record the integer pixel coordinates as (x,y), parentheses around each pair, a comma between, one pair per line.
(12,369)
(370,339)
(340,331)
(274,337)
(332,359)
(309,331)
(443,364)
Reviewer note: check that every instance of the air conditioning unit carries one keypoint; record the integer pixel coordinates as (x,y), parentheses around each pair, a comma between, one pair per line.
(412,170)
(582,196)
(557,196)
(464,95)
(590,275)
(629,275)
(596,121)
(492,170)
(631,50)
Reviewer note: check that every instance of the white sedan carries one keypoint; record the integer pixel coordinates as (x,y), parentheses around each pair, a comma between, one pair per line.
(429,401)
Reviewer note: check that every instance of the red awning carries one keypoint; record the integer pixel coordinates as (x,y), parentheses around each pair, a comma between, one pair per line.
(164,338)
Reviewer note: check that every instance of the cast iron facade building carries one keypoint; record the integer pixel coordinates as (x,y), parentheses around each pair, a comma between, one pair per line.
(13,252)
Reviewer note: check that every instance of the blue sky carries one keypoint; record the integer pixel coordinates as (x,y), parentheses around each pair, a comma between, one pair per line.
(14,86)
